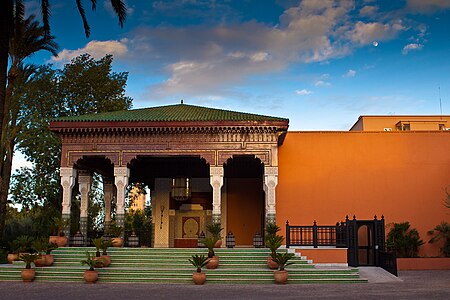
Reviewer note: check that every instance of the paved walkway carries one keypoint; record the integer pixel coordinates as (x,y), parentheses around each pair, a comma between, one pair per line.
(414,285)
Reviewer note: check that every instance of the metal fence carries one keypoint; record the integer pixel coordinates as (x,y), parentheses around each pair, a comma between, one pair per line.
(316,235)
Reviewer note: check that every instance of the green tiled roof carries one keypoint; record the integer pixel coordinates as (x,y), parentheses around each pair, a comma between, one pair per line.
(171,113)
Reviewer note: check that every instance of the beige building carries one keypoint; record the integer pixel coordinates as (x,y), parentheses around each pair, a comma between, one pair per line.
(401,123)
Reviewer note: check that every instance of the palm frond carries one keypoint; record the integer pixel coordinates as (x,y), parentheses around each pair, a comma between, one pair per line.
(87,29)
(46,13)
(120,8)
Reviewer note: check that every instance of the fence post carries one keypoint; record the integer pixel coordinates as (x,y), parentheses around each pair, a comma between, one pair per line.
(288,234)
(315,234)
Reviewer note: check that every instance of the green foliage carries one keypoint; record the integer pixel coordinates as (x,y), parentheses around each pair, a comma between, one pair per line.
(404,240)
(40,245)
(92,261)
(199,261)
(282,259)
(84,86)
(24,243)
(115,231)
(441,232)
(105,245)
(28,259)
(50,247)
(98,243)
(209,242)
(3,256)
(273,242)
(214,229)
(272,229)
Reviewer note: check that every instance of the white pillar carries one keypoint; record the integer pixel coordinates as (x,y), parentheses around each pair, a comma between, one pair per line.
(216,181)
(108,191)
(68,175)
(84,186)
(121,175)
(270,183)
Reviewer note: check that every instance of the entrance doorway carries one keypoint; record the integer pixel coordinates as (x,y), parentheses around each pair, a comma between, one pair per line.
(366,246)
(245,198)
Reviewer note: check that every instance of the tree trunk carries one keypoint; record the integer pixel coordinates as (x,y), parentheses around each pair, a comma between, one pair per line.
(6,22)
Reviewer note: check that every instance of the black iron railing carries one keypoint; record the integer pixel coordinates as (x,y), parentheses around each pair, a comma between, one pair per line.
(315,235)
(388,261)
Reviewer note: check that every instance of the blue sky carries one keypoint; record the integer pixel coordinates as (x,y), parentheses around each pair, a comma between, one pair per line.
(320,63)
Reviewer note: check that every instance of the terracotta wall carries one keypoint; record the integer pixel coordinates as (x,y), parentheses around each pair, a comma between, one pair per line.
(324,176)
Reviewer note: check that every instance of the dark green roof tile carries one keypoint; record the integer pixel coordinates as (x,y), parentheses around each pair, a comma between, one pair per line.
(171,113)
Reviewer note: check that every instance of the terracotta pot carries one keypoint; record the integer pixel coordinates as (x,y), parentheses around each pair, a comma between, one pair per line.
(117,242)
(90,276)
(40,262)
(12,257)
(271,264)
(28,275)
(106,260)
(281,277)
(61,241)
(199,278)
(218,244)
(213,262)
(49,259)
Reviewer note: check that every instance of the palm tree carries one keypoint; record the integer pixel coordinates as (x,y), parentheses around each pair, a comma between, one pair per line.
(30,38)
(12,13)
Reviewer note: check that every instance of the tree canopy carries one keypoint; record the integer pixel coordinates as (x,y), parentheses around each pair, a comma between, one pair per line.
(83,86)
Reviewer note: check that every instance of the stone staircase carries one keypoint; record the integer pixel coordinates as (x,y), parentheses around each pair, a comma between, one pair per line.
(150,265)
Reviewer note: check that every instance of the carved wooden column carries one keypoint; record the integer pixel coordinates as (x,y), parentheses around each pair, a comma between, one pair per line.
(68,175)
(216,181)
(84,186)
(270,183)
(108,192)
(121,175)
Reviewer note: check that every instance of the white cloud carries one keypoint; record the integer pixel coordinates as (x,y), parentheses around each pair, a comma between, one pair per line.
(322,83)
(303,92)
(367,33)
(368,11)
(96,49)
(350,73)
(427,6)
(412,47)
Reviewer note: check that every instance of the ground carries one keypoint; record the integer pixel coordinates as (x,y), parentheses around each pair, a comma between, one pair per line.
(415,285)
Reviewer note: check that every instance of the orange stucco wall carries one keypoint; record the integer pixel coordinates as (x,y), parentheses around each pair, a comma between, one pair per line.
(378,123)
(325,255)
(324,176)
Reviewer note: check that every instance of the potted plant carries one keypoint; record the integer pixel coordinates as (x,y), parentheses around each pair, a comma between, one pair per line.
(215,230)
(91,275)
(40,245)
(28,273)
(213,260)
(282,259)
(98,244)
(115,232)
(104,247)
(199,261)
(23,243)
(273,243)
(59,237)
(49,259)
(14,251)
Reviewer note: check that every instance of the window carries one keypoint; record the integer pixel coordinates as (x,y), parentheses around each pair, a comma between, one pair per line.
(403,127)
(441,126)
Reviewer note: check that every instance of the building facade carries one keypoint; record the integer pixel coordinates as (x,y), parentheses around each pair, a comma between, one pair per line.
(244,170)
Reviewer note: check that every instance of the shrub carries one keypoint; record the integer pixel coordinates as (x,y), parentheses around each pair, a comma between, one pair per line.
(441,231)
(404,240)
